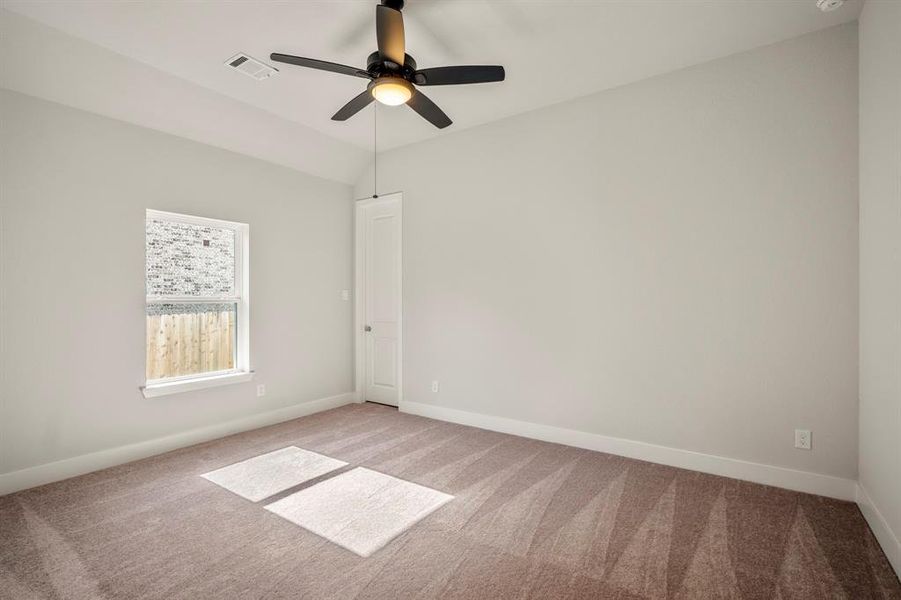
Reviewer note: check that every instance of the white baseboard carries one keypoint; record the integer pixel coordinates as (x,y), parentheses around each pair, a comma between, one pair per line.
(86,463)
(801,481)
(889,541)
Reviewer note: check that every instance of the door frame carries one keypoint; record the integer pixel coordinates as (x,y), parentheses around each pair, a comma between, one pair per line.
(360,300)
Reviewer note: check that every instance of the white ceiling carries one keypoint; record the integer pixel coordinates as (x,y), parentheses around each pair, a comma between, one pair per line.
(552,50)
(43,62)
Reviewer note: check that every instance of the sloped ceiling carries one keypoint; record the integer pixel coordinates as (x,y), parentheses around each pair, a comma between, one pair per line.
(160,64)
(40,61)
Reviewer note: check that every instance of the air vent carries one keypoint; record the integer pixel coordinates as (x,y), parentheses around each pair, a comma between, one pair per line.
(250,66)
(829,5)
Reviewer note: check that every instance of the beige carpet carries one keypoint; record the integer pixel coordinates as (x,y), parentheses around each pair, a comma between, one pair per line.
(528,520)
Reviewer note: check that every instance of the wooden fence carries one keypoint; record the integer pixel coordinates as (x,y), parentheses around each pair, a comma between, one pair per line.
(185,344)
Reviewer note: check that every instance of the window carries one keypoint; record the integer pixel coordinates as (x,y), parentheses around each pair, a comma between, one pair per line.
(196,308)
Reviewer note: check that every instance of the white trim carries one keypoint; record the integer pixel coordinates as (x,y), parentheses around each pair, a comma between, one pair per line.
(195,220)
(359,341)
(242,278)
(86,463)
(887,538)
(164,387)
(360,300)
(801,481)
(192,299)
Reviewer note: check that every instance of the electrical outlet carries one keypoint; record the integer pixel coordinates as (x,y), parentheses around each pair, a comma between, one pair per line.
(435,386)
(345,295)
(261,390)
(802,439)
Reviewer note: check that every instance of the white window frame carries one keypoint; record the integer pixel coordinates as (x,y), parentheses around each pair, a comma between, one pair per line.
(242,371)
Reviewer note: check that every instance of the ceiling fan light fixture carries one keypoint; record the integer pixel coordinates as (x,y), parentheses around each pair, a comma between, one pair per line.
(392,73)
(392,91)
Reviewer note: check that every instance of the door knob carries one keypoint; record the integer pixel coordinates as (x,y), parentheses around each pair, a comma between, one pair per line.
(367,328)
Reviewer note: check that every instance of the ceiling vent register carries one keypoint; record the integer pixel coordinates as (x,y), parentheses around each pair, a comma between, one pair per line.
(250,67)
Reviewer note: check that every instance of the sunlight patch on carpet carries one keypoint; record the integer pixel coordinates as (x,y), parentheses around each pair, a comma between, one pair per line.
(360,510)
(268,474)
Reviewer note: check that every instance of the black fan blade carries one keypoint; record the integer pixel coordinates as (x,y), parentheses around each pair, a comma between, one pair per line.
(458,75)
(389,29)
(354,106)
(428,110)
(322,65)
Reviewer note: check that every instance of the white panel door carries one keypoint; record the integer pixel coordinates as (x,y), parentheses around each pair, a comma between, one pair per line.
(381,230)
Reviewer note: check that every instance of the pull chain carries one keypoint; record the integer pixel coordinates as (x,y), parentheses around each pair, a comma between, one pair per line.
(375,151)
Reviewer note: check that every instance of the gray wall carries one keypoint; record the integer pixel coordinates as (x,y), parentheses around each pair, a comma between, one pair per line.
(74,190)
(880,268)
(674,261)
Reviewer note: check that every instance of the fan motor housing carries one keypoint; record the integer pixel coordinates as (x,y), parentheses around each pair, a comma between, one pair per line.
(377,66)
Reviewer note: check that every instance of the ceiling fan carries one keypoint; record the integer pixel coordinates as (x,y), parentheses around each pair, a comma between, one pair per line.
(392,73)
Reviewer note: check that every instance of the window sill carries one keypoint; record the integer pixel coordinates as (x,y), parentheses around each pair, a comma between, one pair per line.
(198,383)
